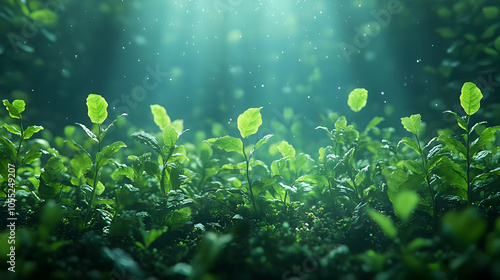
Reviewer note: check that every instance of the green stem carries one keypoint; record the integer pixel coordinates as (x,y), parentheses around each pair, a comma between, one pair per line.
(427,181)
(468,163)
(92,196)
(247,160)
(19,147)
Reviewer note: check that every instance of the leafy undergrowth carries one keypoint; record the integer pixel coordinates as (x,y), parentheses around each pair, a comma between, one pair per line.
(366,206)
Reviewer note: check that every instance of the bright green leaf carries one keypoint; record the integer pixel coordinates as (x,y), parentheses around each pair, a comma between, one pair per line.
(357,99)
(227,143)
(410,143)
(89,132)
(32,129)
(12,129)
(461,122)
(97,108)
(384,222)
(404,203)
(44,16)
(160,116)
(169,136)
(249,122)
(470,98)
(261,142)
(15,109)
(286,150)
(412,123)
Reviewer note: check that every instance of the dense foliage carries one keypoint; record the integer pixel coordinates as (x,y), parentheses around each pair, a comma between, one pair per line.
(368,205)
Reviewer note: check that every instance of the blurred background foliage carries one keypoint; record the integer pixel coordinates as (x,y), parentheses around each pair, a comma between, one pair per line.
(206,61)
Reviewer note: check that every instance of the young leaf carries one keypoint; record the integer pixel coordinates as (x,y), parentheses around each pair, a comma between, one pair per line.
(249,122)
(227,143)
(470,98)
(485,137)
(12,129)
(148,140)
(169,136)
(357,99)
(340,123)
(89,132)
(97,108)
(404,203)
(286,150)
(108,151)
(16,108)
(32,129)
(160,116)
(461,122)
(373,123)
(261,142)
(384,222)
(412,123)
(410,143)
(105,130)
(79,147)
(31,155)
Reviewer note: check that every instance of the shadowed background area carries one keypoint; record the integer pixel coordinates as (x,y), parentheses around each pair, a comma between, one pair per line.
(206,61)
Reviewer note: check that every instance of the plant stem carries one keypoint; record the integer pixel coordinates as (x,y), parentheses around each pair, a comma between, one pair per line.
(89,211)
(431,191)
(467,168)
(247,160)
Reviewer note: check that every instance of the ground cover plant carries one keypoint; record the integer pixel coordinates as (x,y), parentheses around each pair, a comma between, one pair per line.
(368,205)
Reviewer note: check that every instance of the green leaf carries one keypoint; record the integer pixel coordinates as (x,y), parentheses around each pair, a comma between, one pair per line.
(404,203)
(107,152)
(89,132)
(12,129)
(31,156)
(410,143)
(178,218)
(151,236)
(277,166)
(485,137)
(286,150)
(373,123)
(97,108)
(16,108)
(411,165)
(461,122)
(470,98)
(227,143)
(249,122)
(357,99)
(44,16)
(169,136)
(32,129)
(105,130)
(453,144)
(148,140)
(360,176)
(340,124)
(412,123)
(79,147)
(52,171)
(160,116)
(464,228)
(490,12)
(261,142)
(384,222)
